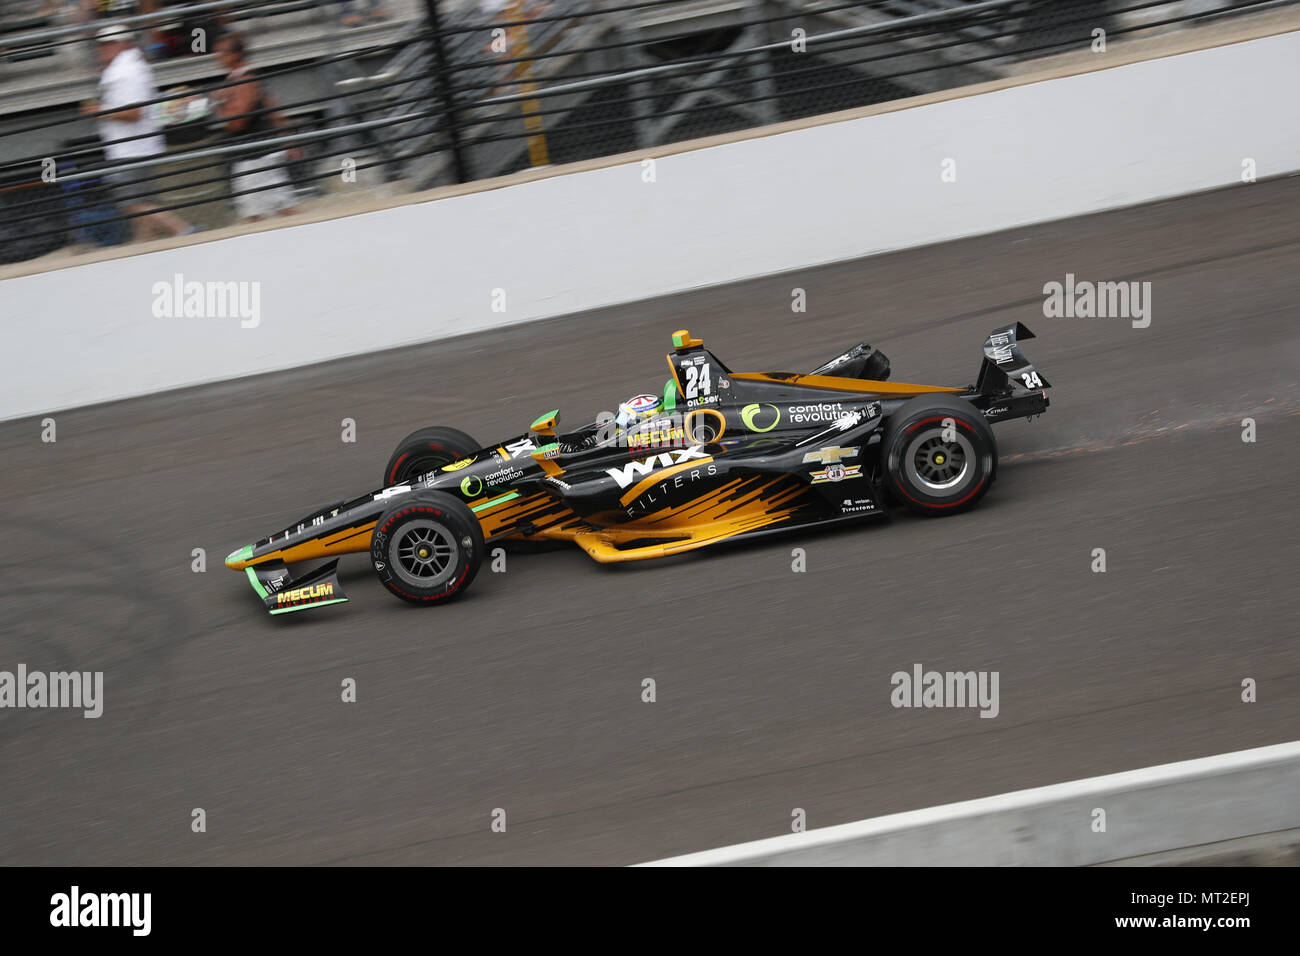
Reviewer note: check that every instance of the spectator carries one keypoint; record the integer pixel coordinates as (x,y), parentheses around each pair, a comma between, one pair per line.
(112,9)
(127,79)
(266,173)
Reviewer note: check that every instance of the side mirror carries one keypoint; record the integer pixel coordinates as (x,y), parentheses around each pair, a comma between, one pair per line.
(545,425)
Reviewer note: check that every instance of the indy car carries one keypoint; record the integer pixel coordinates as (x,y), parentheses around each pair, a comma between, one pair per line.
(716,456)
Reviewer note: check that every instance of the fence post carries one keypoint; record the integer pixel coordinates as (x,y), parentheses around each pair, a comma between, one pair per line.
(442,83)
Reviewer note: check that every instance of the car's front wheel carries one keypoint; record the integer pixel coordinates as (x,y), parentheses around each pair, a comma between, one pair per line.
(940,454)
(427,548)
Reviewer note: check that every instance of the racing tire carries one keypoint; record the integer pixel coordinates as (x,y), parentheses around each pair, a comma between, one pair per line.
(933,470)
(427,548)
(427,450)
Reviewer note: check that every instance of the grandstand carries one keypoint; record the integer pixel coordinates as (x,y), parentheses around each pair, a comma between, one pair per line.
(444,91)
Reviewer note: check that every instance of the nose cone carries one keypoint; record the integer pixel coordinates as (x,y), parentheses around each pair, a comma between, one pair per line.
(238,560)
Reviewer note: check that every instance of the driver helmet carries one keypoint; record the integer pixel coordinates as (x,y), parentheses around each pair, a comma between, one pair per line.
(639,408)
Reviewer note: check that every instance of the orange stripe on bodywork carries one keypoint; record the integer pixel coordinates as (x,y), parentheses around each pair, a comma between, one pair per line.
(738,502)
(696,506)
(836,384)
(710,507)
(499,519)
(659,476)
(347,541)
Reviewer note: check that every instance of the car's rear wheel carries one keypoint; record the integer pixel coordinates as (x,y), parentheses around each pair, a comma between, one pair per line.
(427,548)
(940,454)
(427,450)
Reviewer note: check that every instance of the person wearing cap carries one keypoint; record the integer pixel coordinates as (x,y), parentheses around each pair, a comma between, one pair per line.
(115,9)
(130,133)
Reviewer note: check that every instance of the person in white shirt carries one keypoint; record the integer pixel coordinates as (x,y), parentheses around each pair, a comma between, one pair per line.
(128,79)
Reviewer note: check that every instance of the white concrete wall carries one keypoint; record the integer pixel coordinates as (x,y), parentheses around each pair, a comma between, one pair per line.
(1146,811)
(421,272)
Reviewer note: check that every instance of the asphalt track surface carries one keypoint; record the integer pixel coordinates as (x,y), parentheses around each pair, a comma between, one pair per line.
(773,687)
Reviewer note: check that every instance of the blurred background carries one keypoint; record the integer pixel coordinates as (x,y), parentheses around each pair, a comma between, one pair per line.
(252,108)
(181,438)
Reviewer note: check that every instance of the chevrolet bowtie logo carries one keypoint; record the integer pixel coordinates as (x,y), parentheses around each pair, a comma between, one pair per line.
(829,456)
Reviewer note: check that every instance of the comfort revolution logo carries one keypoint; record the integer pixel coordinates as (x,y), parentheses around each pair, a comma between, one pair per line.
(751,412)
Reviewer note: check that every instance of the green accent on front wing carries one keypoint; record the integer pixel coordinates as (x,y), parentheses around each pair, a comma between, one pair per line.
(243,554)
(677,341)
(303,607)
(494,502)
(257,585)
(543,419)
(670,395)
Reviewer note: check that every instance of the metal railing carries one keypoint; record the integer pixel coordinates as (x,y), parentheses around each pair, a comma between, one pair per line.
(457,94)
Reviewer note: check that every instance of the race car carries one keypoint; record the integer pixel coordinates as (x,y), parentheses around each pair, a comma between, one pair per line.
(716,456)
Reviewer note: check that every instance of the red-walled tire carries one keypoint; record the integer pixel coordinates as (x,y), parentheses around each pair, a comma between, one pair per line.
(427,548)
(427,450)
(940,455)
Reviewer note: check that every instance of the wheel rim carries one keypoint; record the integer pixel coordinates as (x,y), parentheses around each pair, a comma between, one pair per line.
(937,465)
(423,553)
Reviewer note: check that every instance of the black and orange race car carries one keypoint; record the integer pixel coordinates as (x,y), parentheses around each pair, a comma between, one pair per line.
(718,456)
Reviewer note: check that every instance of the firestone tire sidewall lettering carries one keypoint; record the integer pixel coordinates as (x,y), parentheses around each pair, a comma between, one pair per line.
(449,513)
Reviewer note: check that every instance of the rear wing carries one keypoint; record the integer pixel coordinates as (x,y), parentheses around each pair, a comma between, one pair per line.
(1009,386)
(1005,368)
